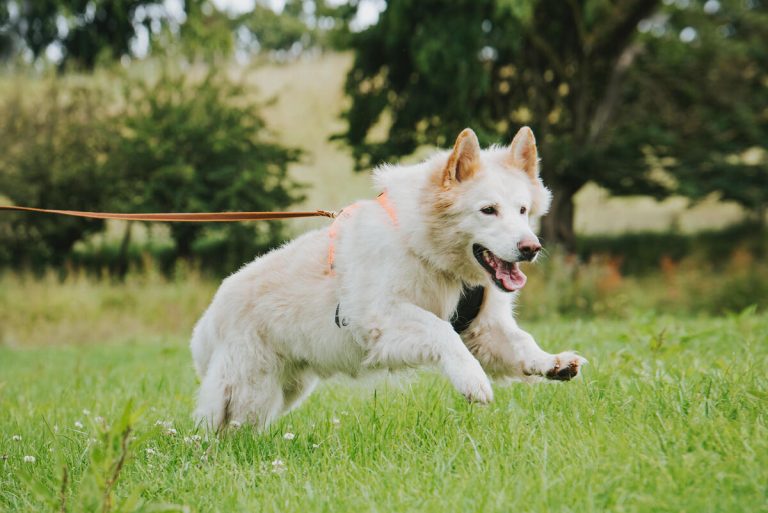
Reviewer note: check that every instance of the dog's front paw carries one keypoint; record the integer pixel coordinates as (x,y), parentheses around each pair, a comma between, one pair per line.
(564,366)
(470,380)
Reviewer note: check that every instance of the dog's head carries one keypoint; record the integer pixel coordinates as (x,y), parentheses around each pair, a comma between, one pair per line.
(483,204)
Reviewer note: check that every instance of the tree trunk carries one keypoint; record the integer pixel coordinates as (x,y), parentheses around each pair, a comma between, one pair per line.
(184,235)
(557,225)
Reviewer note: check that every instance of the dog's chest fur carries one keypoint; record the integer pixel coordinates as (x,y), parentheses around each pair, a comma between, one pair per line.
(433,290)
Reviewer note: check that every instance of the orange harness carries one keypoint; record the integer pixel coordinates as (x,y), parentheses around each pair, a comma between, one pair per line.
(345,213)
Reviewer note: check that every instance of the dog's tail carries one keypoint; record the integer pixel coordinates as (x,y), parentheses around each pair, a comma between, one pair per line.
(202,345)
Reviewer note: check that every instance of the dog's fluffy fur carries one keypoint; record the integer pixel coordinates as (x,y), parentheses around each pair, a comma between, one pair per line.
(270,334)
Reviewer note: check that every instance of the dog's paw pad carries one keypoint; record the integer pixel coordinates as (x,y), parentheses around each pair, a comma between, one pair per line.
(565,368)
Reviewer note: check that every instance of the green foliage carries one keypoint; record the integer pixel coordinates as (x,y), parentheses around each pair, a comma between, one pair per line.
(54,146)
(6,37)
(171,144)
(607,103)
(669,416)
(709,96)
(94,28)
(436,66)
(276,31)
(728,282)
(200,146)
(210,33)
(641,253)
(207,33)
(89,482)
(301,25)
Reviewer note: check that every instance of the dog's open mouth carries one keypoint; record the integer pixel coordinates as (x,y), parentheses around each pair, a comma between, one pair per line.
(506,275)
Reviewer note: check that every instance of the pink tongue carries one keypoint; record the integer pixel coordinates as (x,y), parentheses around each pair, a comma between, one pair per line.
(512,277)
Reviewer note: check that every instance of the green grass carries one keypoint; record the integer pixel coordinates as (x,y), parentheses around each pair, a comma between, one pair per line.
(669,416)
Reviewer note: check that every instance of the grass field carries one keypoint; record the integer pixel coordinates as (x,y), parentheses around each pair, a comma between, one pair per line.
(669,416)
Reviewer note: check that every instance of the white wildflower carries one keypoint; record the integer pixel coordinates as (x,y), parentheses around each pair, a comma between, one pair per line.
(335,421)
(150,451)
(167,424)
(278,466)
(78,424)
(170,432)
(289,436)
(315,446)
(55,428)
(29,459)
(235,424)
(99,419)
(16,438)
(86,412)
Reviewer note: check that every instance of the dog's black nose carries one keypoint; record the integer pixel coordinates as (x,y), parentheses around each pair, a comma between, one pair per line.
(528,249)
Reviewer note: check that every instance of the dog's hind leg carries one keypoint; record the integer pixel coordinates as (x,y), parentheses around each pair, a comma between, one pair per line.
(240,387)
(297,386)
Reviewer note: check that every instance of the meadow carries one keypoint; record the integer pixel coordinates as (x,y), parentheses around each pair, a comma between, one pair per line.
(97,386)
(96,389)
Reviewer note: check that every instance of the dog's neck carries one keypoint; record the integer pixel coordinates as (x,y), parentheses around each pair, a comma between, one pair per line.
(410,190)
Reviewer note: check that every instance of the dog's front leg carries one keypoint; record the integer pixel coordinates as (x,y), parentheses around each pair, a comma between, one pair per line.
(410,336)
(511,352)
(505,350)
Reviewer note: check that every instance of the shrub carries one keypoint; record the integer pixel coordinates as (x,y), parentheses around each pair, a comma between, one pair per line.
(201,146)
(170,144)
(53,154)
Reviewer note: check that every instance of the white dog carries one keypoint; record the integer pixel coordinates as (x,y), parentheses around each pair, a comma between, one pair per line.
(379,288)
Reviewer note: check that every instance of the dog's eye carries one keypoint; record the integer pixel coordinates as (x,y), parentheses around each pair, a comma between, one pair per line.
(490,210)
(523,210)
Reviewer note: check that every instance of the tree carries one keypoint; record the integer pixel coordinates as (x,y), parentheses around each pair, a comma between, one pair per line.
(170,144)
(300,25)
(569,69)
(702,80)
(53,149)
(83,30)
(436,66)
(201,146)
(6,37)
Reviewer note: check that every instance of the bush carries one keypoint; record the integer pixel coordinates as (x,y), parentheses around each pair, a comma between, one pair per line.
(200,146)
(53,154)
(170,144)
(565,285)
(642,253)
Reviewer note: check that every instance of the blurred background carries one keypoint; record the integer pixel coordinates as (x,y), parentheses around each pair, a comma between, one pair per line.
(651,118)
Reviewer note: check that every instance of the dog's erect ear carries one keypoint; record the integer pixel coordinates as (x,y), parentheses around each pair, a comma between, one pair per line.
(524,153)
(464,161)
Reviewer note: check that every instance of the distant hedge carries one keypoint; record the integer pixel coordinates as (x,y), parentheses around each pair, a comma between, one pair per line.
(642,253)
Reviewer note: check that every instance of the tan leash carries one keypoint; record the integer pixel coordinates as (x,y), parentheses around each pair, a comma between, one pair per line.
(172,217)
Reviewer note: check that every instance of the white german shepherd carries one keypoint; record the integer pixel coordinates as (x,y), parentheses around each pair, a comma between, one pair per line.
(378,289)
